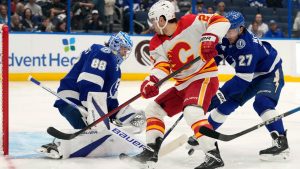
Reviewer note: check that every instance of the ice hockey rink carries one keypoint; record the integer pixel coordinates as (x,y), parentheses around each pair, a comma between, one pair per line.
(31,112)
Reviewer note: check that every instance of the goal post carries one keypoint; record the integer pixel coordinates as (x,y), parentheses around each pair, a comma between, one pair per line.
(4,89)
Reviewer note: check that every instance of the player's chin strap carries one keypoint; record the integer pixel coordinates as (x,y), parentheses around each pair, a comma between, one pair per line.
(161,28)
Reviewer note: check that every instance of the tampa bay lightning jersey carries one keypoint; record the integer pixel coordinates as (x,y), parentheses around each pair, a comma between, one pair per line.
(97,70)
(250,57)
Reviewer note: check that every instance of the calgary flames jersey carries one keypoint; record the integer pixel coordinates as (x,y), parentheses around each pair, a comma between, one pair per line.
(170,53)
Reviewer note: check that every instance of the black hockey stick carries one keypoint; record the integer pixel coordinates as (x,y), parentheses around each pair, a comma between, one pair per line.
(66,136)
(214,134)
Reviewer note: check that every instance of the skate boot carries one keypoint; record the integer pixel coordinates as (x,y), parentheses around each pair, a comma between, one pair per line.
(212,159)
(279,151)
(50,150)
(146,158)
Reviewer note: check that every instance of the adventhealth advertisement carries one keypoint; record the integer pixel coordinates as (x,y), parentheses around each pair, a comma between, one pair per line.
(54,54)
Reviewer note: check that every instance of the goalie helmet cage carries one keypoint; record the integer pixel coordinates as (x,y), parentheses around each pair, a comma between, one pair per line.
(4,90)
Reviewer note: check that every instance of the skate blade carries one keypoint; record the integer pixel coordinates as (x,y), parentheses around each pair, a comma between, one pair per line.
(283,156)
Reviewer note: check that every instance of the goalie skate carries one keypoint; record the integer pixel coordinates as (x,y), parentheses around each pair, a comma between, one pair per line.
(50,150)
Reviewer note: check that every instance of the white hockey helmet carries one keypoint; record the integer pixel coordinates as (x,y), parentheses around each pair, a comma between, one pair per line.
(161,8)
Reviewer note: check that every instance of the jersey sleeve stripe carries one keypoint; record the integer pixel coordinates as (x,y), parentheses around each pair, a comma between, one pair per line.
(91,78)
(69,94)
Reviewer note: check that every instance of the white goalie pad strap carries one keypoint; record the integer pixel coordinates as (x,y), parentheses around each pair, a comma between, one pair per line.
(192,114)
(98,98)
(218,117)
(268,114)
(91,78)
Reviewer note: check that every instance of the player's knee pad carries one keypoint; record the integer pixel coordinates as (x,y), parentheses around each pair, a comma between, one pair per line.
(73,116)
(155,110)
(263,103)
(193,114)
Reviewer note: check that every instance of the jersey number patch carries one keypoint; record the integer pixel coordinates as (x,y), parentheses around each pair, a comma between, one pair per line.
(245,60)
(98,64)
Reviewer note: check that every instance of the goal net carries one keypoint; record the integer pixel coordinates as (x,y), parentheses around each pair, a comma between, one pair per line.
(4,90)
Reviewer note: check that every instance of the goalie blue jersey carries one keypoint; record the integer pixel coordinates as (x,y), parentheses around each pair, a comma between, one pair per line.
(97,70)
(251,59)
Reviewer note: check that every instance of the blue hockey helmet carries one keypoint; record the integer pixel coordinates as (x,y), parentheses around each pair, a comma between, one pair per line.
(118,40)
(236,19)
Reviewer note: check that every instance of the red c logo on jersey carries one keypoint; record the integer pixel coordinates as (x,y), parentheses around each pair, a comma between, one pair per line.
(174,55)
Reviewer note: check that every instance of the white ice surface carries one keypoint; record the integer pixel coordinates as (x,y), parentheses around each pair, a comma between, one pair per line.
(31,112)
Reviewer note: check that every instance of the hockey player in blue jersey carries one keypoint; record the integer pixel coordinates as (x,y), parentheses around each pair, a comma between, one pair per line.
(258,74)
(96,75)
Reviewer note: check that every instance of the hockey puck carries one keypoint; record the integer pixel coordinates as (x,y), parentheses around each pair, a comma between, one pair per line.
(122,156)
(191,152)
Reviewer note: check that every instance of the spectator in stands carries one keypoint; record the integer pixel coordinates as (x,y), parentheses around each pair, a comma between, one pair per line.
(93,22)
(261,25)
(201,7)
(15,24)
(13,5)
(57,7)
(35,8)
(3,14)
(46,25)
(296,26)
(109,8)
(61,25)
(274,3)
(254,29)
(19,9)
(274,31)
(257,3)
(126,13)
(27,21)
(210,10)
(221,8)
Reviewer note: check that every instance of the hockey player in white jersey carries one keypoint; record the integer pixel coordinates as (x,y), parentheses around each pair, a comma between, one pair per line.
(175,44)
(95,77)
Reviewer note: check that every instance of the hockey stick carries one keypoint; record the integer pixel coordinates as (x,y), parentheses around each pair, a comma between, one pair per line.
(111,127)
(173,145)
(214,134)
(65,136)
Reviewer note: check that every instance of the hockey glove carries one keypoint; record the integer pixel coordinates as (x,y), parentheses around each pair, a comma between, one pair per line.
(148,89)
(217,100)
(208,46)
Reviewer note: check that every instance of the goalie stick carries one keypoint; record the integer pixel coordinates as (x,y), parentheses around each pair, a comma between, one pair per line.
(214,134)
(68,136)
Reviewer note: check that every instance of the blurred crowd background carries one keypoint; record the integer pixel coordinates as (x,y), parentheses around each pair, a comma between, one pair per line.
(265,18)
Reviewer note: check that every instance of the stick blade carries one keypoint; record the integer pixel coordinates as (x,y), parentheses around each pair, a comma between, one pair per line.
(60,135)
(214,134)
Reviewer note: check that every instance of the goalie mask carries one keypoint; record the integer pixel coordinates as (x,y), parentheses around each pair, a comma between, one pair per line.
(121,45)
